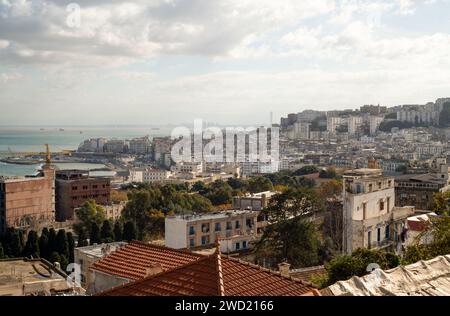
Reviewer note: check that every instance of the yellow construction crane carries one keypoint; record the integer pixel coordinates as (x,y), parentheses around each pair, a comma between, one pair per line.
(46,154)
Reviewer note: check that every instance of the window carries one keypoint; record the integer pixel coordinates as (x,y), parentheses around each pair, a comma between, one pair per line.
(238,246)
(364,210)
(74,188)
(370,187)
(369,239)
(244,244)
(378,234)
(389,183)
(205,240)
(379,185)
(229,227)
(192,242)
(249,222)
(191,230)
(205,228)
(218,227)
(237,224)
(381,205)
(387,233)
(85,187)
(94,186)
(388,203)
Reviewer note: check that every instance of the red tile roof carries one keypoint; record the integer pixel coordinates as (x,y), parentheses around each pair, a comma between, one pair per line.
(133,260)
(215,275)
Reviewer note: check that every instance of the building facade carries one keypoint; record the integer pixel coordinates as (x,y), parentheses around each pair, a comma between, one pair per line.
(27,203)
(370,218)
(74,187)
(236,229)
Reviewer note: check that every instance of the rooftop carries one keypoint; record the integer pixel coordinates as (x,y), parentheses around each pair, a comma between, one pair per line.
(208,216)
(32,276)
(216,275)
(133,260)
(101,250)
(423,278)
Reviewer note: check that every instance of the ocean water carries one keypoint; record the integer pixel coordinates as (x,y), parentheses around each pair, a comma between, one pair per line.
(32,139)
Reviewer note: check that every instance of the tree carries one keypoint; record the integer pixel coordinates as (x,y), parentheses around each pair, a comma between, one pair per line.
(118,196)
(200,187)
(32,246)
(62,246)
(118,231)
(129,231)
(441,202)
(106,234)
(82,239)
(2,253)
(289,236)
(71,244)
(94,236)
(16,244)
(52,241)
(259,184)
(305,170)
(43,245)
(329,173)
(293,240)
(54,257)
(87,214)
(345,266)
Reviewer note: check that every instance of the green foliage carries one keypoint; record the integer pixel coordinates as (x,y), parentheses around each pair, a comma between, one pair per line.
(129,231)
(106,233)
(441,203)
(305,170)
(82,239)
(344,267)
(289,236)
(439,228)
(44,246)
(118,232)
(259,184)
(237,184)
(54,257)
(52,241)
(62,246)
(329,173)
(32,246)
(71,244)
(219,193)
(87,214)
(94,236)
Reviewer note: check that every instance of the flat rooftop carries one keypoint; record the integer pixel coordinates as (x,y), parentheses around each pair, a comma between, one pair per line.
(101,250)
(208,216)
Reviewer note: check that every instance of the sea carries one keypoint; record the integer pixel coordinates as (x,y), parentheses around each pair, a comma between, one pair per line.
(34,138)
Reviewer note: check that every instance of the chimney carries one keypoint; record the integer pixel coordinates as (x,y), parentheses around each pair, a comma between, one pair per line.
(284,269)
(152,270)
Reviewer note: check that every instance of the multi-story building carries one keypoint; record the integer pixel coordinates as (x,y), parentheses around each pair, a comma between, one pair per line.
(155,175)
(27,202)
(188,167)
(354,123)
(74,187)
(161,146)
(334,122)
(254,202)
(374,123)
(116,146)
(418,189)
(139,145)
(370,218)
(236,229)
(92,145)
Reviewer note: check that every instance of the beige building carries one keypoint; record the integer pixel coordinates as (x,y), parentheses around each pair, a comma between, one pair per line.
(85,257)
(34,277)
(254,202)
(237,230)
(370,219)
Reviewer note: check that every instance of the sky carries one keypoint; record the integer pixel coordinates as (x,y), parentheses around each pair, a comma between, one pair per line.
(233,62)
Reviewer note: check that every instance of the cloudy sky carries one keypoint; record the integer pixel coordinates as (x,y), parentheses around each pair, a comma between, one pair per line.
(225,61)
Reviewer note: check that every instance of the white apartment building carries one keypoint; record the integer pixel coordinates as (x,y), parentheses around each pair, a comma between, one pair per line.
(333,122)
(155,175)
(370,219)
(237,230)
(374,123)
(194,168)
(354,123)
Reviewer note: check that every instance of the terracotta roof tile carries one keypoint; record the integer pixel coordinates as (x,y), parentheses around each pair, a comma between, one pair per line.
(133,260)
(204,277)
